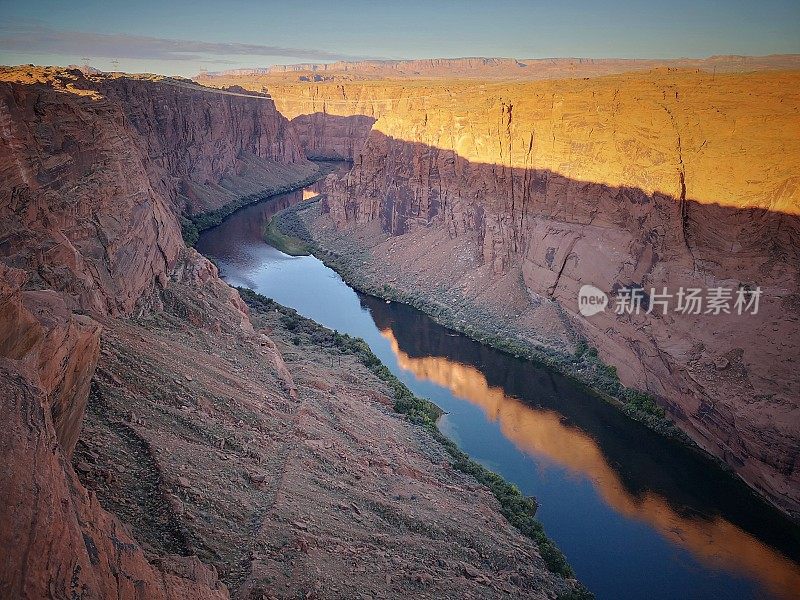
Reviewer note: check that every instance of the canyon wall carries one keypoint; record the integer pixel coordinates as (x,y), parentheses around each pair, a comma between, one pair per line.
(498,68)
(665,179)
(94,174)
(95,171)
(162,440)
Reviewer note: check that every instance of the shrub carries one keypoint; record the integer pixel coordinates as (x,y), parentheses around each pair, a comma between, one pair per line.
(643,402)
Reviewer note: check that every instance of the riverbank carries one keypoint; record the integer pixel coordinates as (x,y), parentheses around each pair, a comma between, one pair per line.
(291,230)
(518,509)
(270,448)
(292,178)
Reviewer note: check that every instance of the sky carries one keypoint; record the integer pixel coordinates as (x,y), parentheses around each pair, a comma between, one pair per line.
(184,37)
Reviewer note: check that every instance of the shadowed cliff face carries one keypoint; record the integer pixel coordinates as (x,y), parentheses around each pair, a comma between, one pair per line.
(660,180)
(94,174)
(330,137)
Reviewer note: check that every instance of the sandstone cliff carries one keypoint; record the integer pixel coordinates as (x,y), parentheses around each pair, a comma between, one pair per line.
(94,174)
(518,194)
(96,170)
(217,458)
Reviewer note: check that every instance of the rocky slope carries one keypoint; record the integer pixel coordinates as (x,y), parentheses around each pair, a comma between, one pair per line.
(89,206)
(219,454)
(58,542)
(518,194)
(292,477)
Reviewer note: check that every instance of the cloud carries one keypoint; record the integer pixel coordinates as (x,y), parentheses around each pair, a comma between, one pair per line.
(38,39)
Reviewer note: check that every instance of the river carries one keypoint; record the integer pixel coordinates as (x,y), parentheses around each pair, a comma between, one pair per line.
(637,515)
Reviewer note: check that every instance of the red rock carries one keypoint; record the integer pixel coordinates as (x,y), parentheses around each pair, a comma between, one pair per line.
(93,175)
(651,178)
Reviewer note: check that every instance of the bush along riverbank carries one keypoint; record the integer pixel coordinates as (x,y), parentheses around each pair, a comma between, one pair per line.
(289,229)
(283,233)
(518,509)
(193,225)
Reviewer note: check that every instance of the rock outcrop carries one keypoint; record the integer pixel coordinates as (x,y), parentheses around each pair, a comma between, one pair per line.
(666,179)
(94,174)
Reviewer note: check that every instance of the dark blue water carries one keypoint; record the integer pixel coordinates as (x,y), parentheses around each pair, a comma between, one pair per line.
(637,516)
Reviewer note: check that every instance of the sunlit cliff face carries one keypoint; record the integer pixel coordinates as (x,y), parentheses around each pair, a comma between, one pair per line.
(733,147)
(537,432)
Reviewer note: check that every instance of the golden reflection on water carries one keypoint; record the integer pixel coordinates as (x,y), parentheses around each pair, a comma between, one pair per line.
(717,542)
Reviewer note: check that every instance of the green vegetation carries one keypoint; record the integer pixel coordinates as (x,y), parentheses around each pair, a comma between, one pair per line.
(193,225)
(286,244)
(518,509)
(285,231)
(189,231)
(643,402)
(579,592)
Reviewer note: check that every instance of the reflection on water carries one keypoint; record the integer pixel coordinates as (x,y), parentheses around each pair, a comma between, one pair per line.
(638,516)
(535,431)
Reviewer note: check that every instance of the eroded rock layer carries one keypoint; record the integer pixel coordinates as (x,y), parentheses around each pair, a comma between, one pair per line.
(94,174)
(518,194)
(221,455)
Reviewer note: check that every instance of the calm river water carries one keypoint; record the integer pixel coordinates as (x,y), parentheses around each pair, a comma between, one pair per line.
(637,516)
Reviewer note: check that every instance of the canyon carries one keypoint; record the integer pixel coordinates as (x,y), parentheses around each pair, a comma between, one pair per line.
(168,435)
(162,438)
(517,193)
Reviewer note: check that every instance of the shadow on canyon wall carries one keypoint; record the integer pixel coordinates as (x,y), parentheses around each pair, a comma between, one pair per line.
(330,137)
(729,380)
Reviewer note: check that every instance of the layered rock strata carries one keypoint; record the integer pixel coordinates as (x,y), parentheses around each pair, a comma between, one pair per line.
(218,457)
(519,194)
(497,68)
